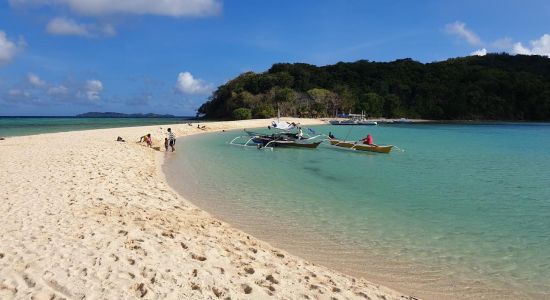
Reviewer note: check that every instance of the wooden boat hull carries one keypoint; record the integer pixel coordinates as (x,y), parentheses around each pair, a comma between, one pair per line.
(265,141)
(292,144)
(361,147)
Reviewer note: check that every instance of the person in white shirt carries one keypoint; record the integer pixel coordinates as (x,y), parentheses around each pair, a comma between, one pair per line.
(300,133)
(171,139)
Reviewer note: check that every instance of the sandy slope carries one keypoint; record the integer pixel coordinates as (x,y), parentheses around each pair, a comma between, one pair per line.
(85,217)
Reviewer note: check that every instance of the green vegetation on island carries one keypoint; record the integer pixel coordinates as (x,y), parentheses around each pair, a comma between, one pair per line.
(491,87)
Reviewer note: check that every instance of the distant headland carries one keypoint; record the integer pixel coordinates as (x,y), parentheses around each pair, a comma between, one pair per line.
(122,115)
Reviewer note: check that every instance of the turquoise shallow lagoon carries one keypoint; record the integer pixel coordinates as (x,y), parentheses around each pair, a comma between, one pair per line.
(463,212)
(15,126)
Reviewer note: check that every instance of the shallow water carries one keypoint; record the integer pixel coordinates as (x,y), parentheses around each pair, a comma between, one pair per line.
(463,212)
(16,126)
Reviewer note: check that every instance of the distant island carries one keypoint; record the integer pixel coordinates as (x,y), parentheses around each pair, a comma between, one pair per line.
(121,115)
(490,87)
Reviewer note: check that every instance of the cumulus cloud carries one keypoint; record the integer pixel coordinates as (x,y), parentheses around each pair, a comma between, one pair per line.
(505,43)
(18,95)
(174,8)
(480,52)
(538,47)
(59,90)
(8,48)
(459,29)
(93,89)
(19,92)
(35,81)
(187,84)
(66,26)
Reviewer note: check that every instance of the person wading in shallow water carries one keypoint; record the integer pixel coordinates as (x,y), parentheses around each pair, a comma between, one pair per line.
(171,139)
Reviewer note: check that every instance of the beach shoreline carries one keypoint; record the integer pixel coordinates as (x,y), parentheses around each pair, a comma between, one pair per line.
(88,217)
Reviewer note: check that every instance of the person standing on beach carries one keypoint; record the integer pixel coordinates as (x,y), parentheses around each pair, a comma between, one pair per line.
(171,139)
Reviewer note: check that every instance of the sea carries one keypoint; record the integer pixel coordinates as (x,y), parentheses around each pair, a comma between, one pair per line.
(16,126)
(455,211)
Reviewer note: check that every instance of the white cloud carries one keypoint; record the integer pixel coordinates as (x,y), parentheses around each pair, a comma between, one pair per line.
(187,84)
(480,52)
(9,49)
(503,43)
(59,90)
(518,48)
(66,26)
(538,47)
(35,81)
(107,30)
(18,92)
(93,89)
(19,95)
(174,8)
(459,29)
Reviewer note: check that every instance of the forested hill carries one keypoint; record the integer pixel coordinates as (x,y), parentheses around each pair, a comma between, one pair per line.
(491,87)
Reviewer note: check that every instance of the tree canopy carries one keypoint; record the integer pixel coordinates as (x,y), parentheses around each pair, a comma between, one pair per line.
(491,87)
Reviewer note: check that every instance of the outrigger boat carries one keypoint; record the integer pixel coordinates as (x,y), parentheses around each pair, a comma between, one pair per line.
(282,139)
(361,147)
(268,141)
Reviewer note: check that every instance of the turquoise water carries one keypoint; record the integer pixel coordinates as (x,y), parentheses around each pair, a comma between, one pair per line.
(463,212)
(14,126)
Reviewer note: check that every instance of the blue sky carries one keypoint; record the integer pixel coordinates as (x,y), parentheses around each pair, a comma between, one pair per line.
(62,57)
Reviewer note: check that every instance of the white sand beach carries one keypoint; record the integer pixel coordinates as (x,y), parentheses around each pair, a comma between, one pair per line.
(86,217)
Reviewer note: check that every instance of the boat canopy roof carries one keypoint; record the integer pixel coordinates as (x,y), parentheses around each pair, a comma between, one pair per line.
(283,125)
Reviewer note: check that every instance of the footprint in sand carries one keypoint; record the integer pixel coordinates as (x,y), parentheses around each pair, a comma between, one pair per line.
(141,290)
(198,257)
(30,283)
(246,288)
(271,279)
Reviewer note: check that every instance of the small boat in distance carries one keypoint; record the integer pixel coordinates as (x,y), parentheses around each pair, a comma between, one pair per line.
(354,119)
(361,147)
(402,120)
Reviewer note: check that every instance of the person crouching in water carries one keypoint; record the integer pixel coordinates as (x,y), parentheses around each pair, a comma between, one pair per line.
(171,139)
(147,139)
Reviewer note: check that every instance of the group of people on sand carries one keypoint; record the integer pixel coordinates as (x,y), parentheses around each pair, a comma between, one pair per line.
(169,140)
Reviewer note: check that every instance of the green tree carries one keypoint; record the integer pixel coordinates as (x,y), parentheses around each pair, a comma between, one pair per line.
(242,114)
